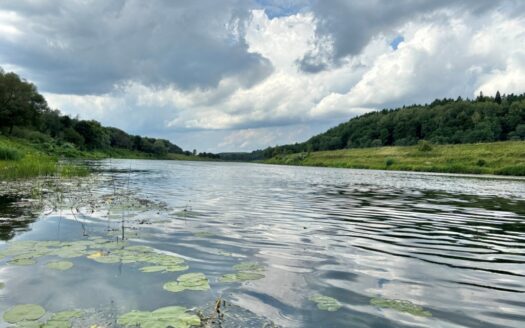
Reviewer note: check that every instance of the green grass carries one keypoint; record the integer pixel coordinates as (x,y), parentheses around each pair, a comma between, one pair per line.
(18,160)
(502,158)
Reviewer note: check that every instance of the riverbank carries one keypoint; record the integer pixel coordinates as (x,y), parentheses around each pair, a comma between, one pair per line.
(500,158)
(20,158)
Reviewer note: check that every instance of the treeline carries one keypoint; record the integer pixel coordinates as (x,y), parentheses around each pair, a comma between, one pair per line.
(444,121)
(24,113)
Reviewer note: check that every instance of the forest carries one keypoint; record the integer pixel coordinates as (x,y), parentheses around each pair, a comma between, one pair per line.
(444,121)
(25,114)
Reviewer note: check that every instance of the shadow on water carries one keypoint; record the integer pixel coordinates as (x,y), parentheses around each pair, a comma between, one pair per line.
(16,215)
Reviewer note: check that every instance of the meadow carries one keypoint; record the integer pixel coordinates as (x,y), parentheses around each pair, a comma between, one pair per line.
(500,158)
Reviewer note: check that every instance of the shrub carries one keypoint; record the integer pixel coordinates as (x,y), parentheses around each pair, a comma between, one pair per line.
(9,154)
(517,170)
(389,162)
(424,145)
(481,162)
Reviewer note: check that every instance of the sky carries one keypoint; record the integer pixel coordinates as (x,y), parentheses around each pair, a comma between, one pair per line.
(239,75)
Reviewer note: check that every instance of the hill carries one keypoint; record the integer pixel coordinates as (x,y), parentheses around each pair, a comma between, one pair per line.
(445,121)
(26,116)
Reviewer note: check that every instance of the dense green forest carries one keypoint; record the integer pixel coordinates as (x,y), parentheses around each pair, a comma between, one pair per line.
(25,114)
(445,121)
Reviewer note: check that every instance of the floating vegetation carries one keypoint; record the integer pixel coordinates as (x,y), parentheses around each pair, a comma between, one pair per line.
(245,271)
(190,281)
(401,306)
(164,268)
(62,319)
(24,312)
(240,276)
(171,316)
(22,261)
(204,234)
(248,266)
(325,303)
(2,285)
(59,265)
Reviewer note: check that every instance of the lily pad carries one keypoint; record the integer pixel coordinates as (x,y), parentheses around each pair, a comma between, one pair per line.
(171,316)
(248,266)
(326,303)
(22,262)
(59,265)
(24,312)
(241,276)
(191,281)
(401,306)
(62,319)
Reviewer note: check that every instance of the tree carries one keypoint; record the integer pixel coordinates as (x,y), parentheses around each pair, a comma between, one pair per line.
(497,98)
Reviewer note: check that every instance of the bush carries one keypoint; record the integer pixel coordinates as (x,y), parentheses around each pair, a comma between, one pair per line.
(424,145)
(481,162)
(9,154)
(389,162)
(517,170)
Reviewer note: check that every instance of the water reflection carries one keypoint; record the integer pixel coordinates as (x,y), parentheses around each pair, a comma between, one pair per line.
(16,215)
(452,245)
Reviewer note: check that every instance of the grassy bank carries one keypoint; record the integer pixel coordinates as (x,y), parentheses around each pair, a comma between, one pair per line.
(502,158)
(19,160)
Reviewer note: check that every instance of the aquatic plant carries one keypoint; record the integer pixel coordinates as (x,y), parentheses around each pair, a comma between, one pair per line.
(171,316)
(241,276)
(24,312)
(325,303)
(59,265)
(62,319)
(245,271)
(401,306)
(190,281)
(248,266)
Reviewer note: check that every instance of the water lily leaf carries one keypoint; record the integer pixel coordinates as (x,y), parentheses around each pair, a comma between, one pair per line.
(57,324)
(248,266)
(27,324)
(240,276)
(22,261)
(191,281)
(59,265)
(134,318)
(177,267)
(204,234)
(325,303)
(24,312)
(153,268)
(67,315)
(401,306)
(171,316)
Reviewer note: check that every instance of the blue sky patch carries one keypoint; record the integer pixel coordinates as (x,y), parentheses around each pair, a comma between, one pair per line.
(396,41)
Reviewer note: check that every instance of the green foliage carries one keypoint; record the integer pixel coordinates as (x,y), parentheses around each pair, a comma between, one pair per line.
(9,154)
(401,306)
(25,114)
(325,303)
(444,121)
(424,146)
(503,158)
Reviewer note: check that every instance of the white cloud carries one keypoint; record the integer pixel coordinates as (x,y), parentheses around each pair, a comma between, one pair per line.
(445,53)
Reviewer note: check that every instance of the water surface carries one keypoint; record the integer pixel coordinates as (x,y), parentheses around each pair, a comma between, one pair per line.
(454,245)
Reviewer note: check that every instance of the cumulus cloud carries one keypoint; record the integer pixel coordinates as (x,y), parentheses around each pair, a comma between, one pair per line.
(89,47)
(240,75)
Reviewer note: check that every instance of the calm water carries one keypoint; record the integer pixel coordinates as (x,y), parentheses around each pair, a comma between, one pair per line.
(452,245)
